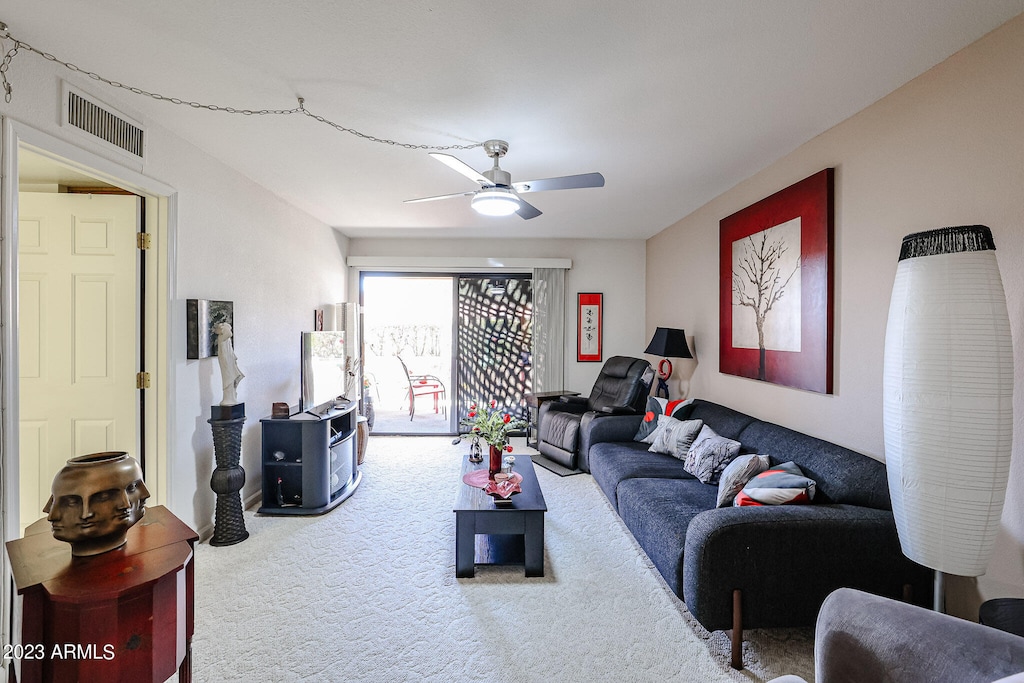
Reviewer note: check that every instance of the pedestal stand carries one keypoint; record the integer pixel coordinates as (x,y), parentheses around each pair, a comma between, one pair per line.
(228,478)
(123,615)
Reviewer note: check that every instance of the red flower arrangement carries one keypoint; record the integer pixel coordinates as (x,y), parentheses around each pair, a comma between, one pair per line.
(491,425)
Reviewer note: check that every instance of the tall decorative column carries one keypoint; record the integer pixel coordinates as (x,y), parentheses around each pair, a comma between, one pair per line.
(229,476)
(948,400)
(226,420)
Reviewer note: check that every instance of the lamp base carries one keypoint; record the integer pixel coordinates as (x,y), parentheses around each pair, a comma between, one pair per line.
(939,595)
(664,372)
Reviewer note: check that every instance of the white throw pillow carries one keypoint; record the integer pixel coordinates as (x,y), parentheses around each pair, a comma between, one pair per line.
(709,454)
(675,436)
(736,475)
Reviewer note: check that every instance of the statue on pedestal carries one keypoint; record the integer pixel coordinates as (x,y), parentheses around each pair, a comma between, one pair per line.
(226,421)
(230,375)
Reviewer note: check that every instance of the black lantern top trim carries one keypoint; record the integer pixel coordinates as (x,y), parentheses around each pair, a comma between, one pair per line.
(947,241)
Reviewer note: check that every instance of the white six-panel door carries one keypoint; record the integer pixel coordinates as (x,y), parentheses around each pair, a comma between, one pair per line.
(77,333)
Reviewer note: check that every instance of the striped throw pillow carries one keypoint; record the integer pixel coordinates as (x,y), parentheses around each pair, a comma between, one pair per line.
(783,484)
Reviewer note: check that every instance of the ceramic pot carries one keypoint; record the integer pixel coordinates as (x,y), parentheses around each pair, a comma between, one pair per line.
(95,500)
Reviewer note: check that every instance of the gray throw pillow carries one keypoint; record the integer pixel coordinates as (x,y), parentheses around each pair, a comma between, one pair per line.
(709,455)
(783,484)
(675,436)
(655,408)
(736,475)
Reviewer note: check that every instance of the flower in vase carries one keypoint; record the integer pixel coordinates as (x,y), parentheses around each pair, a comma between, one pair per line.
(491,425)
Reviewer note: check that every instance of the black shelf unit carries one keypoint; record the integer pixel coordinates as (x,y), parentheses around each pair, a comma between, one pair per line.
(310,464)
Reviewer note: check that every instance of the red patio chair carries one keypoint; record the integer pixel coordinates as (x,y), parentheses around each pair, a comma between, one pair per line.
(424,385)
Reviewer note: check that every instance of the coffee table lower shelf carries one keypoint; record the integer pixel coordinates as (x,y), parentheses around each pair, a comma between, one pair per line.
(488,534)
(516,538)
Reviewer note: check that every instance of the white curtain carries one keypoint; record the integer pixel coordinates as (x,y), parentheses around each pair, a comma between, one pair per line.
(548,328)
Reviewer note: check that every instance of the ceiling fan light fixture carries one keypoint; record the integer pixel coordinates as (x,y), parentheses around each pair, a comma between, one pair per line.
(496,201)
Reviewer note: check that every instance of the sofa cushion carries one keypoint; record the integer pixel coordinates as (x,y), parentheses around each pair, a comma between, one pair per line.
(657,512)
(841,475)
(782,484)
(614,462)
(656,407)
(709,454)
(674,437)
(736,475)
(726,421)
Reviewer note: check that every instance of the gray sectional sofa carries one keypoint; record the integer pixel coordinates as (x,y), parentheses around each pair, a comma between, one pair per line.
(754,567)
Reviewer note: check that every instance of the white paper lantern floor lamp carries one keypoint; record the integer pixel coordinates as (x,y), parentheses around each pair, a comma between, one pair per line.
(948,400)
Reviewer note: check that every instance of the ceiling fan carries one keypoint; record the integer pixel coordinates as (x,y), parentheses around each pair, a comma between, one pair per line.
(498,195)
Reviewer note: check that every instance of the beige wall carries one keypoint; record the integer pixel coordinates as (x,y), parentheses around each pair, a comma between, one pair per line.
(946,149)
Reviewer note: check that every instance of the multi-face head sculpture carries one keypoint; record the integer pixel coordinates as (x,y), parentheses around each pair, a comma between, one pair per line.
(96,499)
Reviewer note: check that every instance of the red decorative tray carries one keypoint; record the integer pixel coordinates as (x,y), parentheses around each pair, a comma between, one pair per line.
(500,490)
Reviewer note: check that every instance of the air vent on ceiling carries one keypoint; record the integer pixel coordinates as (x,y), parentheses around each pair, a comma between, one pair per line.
(114,128)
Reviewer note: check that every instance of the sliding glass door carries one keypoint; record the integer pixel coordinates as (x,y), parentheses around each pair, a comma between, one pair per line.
(434,343)
(495,322)
(407,341)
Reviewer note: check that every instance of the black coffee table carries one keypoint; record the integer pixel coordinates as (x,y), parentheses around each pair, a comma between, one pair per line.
(489,534)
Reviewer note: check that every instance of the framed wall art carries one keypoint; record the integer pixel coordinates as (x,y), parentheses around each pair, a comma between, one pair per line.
(776,272)
(588,327)
(200,317)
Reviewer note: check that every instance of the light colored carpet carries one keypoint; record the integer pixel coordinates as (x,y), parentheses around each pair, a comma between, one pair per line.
(368,593)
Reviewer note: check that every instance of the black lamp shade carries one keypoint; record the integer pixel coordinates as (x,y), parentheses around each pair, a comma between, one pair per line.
(669,342)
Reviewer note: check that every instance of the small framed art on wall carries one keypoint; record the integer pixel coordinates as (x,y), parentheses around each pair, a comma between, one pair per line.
(588,327)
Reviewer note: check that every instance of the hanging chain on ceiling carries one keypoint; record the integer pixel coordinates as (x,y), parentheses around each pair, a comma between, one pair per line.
(301,109)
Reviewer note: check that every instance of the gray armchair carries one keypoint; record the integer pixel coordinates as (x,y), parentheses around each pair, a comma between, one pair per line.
(864,638)
(621,389)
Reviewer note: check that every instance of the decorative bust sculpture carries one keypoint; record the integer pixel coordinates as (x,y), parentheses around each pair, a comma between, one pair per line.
(96,499)
(230,375)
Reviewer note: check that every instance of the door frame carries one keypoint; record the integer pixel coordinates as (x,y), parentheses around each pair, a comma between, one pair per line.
(161,222)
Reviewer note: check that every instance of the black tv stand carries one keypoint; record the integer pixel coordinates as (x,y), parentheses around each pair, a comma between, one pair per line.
(310,462)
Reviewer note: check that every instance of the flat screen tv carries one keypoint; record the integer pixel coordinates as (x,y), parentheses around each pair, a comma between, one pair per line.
(326,369)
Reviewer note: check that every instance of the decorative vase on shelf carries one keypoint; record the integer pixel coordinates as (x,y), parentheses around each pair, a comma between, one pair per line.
(494,466)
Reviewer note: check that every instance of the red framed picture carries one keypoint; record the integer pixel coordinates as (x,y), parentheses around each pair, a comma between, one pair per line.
(776,271)
(588,327)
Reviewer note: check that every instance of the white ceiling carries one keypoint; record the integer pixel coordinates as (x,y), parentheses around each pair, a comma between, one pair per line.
(673,101)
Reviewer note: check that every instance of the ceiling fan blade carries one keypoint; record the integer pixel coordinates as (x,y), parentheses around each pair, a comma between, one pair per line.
(527,210)
(440,196)
(461,167)
(566,182)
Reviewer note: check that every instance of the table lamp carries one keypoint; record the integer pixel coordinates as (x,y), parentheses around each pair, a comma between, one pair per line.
(667,342)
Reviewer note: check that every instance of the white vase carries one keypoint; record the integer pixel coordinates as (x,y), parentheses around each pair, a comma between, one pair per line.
(948,398)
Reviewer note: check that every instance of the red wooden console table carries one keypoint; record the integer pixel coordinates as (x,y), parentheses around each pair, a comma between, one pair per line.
(125,615)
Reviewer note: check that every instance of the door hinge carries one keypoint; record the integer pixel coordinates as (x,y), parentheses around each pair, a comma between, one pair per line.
(142,380)
(142,240)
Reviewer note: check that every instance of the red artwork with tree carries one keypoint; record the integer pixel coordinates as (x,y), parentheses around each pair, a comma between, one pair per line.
(776,263)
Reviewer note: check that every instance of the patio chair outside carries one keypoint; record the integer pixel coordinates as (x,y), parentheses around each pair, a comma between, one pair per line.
(424,385)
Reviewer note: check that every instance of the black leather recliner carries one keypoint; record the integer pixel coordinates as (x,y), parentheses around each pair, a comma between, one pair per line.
(621,389)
